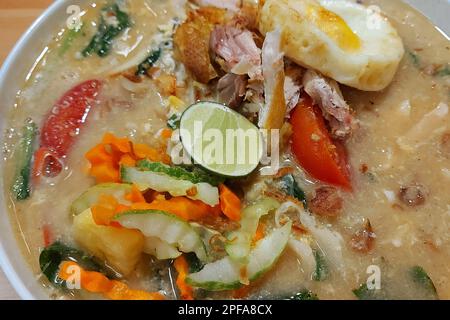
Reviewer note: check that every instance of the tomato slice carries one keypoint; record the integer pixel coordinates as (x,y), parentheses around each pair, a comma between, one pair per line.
(67,116)
(63,125)
(321,156)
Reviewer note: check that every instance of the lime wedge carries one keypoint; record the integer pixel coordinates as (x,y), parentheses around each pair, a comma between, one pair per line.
(220,139)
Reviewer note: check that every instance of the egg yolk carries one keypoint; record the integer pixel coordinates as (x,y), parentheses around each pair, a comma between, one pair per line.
(334,27)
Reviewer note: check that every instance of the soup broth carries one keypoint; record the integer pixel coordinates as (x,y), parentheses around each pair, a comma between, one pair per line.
(399,184)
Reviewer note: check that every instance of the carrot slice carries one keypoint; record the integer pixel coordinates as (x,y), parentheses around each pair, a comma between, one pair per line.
(122,144)
(259,232)
(107,157)
(105,172)
(135,195)
(166,133)
(97,282)
(105,210)
(182,267)
(98,155)
(229,203)
(186,209)
(127,160)
(143,151)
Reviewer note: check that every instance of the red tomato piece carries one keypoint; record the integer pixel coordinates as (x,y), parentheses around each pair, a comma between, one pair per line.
(62,126)
(65,119)
(321,156)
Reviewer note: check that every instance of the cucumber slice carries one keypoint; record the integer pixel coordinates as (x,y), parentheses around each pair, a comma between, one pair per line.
(167,227)
(160,249)
(196,175)
(240,240)
(225,274)
(162,182)
(227,144)
(92,195)
(213,240)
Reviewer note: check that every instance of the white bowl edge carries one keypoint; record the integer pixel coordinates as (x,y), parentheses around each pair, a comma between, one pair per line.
(14,265)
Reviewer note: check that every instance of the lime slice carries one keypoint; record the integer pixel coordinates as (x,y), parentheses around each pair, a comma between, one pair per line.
(220,139)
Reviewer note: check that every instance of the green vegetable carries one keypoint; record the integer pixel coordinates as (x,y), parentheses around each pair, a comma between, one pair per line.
(24,153)
(290,187)
(113,21)
(92,195)
(240,241)
(425,288)
(194,263)
(162,182)
(322,272)
(444,71)
(166,227)
(364,293)
(195,175)
(51,258)
(148,62)
(69,38)
(213,240)
(421,278)
(302,295)
(415,59)
(174,121)
(225,274)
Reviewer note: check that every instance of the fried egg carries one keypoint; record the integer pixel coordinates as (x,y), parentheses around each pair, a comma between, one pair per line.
(348,42)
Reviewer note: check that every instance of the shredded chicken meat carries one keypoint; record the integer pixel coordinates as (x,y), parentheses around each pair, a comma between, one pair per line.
(238,50)
(327,94)
(232,89)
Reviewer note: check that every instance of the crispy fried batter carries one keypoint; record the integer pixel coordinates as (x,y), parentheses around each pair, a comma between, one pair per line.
(192,42)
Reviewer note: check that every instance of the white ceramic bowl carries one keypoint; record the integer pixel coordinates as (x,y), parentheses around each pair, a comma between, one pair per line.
(12,77)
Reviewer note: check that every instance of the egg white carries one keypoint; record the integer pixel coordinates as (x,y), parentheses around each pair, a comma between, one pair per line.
(368,61)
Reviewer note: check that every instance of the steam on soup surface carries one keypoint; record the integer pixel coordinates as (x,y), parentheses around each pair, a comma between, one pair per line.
(361,100)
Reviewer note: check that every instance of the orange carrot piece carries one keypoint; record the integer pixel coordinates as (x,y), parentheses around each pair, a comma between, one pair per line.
(98,155)
(229,203)
(122,144)
(105,210)
(242,292)
(166,133)
(182,267)
(96,282)
(107,157)
(64,272)
(121,208)
(127,160)
(186,209)
(135,195)
(120,291)
(143,151)
(259,232)
(105,172)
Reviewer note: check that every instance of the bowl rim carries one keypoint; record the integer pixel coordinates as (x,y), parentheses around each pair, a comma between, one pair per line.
(5,261)
(16,281)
